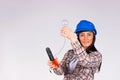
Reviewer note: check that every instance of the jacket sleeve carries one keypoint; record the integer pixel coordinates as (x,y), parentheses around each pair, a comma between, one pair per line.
(87,60)
(62,67)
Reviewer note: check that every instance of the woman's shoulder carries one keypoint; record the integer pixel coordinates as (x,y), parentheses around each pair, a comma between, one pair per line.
(97,53)
(70,52)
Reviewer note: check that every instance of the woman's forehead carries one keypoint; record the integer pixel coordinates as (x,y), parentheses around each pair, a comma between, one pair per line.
(87,32)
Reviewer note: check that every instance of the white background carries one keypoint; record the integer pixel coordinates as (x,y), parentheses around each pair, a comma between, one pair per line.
(27,27)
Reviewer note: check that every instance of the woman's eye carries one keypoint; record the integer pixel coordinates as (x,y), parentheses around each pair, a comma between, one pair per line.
(89,34)
(81,35)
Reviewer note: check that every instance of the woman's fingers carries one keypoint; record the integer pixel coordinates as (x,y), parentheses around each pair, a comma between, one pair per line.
(51,65)
(65,31)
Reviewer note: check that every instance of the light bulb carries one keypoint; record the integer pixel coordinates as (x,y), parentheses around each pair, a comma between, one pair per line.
(65,22)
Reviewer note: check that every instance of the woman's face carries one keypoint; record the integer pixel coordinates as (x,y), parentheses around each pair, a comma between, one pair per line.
(86,38)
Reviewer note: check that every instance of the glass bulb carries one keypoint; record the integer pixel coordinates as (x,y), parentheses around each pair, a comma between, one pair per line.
(65,22)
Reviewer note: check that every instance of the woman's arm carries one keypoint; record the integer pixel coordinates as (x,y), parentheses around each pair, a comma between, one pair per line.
(88,60)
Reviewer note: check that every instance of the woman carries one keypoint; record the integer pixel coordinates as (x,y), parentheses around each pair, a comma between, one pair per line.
(83,60)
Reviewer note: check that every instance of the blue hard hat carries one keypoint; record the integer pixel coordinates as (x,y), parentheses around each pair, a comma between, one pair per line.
(85,25)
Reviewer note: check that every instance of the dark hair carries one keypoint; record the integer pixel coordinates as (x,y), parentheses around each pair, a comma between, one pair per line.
(91,48)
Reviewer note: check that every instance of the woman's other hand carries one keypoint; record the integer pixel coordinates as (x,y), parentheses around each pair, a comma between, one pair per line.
(68,33)
(53,64)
